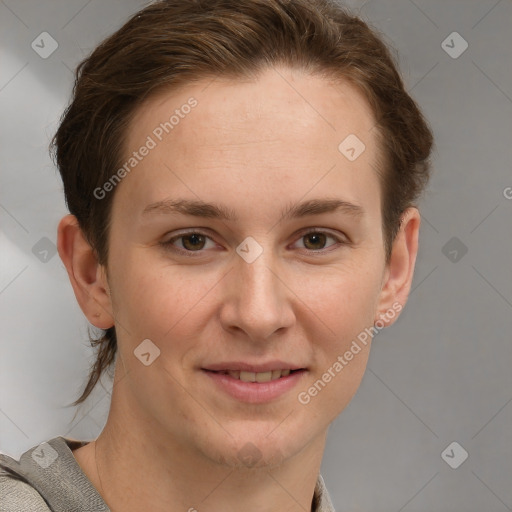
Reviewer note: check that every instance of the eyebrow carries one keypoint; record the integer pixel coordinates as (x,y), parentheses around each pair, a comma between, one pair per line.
(197,208)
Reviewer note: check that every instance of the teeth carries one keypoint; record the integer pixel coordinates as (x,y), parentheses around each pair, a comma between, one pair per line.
(248,376)
(264,377)
(258,377)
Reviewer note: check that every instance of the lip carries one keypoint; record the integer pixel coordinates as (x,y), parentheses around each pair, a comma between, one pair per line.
(254,392)
(256,368)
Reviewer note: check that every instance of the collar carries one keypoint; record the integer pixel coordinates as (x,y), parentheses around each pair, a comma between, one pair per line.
(53,471)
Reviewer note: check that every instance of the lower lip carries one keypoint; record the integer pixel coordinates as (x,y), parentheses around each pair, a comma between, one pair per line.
(255,392)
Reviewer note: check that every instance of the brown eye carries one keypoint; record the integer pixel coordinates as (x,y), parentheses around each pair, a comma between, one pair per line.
(193,241)
(318,241)
(315,241)
(188,243)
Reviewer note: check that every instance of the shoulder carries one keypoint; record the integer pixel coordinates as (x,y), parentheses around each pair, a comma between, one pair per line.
(17,495)
(47,478)
(322,499)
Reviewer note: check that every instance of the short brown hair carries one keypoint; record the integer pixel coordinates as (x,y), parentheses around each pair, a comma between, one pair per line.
(171,43)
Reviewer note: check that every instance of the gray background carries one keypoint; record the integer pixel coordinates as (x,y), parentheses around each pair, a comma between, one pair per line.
(441,374)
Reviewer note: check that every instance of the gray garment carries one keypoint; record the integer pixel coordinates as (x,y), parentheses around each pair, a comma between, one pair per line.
(48,478)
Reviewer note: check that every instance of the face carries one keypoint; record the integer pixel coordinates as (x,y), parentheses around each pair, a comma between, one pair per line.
(244,239)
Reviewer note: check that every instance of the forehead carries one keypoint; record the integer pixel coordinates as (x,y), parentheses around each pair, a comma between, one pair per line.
(294,98)
(283,129)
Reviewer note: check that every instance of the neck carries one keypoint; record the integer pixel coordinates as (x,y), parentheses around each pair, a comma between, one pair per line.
(135,466)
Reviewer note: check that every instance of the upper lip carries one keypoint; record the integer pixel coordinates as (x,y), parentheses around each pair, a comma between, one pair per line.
(255,368)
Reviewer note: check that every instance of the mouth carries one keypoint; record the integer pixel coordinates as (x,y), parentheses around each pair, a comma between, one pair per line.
(270,383)
(247,376)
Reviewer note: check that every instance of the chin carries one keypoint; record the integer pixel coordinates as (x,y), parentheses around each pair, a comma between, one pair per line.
(250,450)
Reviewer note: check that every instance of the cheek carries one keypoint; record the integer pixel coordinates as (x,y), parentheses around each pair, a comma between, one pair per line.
(158,300)
(344,298)
(336,384)
(345,306)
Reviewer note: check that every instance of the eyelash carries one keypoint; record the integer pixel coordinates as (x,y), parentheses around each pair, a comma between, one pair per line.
(168,244)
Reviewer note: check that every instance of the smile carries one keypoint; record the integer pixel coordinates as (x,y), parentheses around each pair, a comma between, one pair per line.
(254,387)
(257,376)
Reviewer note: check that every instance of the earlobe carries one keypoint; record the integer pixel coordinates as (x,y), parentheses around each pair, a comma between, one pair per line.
(86,275)
(400,270)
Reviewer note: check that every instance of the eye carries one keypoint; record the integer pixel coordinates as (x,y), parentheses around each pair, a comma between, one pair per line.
(189,242)
(316,240)
(196,242)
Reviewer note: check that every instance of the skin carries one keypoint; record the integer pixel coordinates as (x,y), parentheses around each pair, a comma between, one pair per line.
(256,147)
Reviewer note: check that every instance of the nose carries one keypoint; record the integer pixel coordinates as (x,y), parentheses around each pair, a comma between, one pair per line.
(257,300)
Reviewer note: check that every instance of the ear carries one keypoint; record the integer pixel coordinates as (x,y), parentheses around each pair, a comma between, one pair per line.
(399,271)
(88,278)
